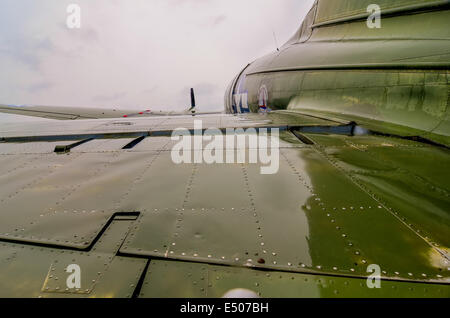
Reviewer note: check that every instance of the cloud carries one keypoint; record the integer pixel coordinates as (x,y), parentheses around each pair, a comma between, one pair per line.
(219,20)
(110,98)
(140,52)
(38,87)
(87,34)
(28,51)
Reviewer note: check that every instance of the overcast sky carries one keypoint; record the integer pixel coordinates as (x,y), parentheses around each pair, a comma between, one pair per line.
(135,53)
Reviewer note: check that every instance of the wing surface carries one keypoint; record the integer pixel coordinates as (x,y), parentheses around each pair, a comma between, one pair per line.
(338,203)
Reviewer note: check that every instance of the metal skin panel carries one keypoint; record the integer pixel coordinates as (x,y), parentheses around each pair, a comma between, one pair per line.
(318,214)
(408,177)
(401,102)
(191,280)
(336,9)
(393,79)
(77,113)
(30,271)
(393,29)
(314,55)
(69,202)
(120,127)
(331,224)
(380,101)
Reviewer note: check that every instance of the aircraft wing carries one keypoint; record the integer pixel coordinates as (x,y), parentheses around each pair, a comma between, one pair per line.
(112,203)
(75,113)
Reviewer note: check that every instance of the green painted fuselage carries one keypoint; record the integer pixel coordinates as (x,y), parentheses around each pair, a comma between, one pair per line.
(393,79)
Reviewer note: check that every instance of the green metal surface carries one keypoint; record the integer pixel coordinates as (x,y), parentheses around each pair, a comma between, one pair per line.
(329,10)
(329,222)
(404,175)
(392,79)
(61,199)
(32,271)
(191,280)
(333,208)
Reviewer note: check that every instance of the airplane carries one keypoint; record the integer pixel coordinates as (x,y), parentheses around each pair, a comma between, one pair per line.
(93,205)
